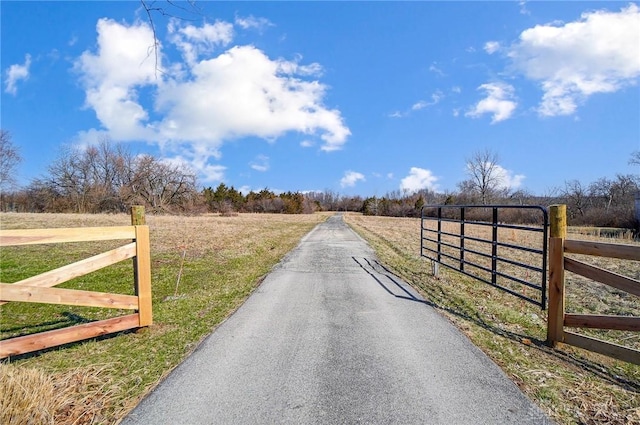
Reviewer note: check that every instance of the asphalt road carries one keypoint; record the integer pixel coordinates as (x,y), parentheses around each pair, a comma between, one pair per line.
(331,337)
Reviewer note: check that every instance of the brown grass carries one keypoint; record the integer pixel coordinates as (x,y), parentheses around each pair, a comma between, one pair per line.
(219,260)
(572,385)
(33,396)
(100,381)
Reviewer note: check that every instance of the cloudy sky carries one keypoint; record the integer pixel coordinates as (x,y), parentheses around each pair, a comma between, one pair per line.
(354,97)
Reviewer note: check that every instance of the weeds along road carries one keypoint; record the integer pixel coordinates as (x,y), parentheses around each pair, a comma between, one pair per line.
(330,337)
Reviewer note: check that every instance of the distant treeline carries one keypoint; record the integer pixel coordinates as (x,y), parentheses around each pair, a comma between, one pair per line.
(105,178)
(584,209)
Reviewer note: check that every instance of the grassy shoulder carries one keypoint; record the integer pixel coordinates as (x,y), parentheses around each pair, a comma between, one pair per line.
(573,386)
(203,268)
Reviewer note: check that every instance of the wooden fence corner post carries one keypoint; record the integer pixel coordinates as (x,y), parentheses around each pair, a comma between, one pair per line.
(143,275)
(557,235)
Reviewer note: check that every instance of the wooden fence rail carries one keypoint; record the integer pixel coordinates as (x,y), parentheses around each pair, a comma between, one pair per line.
(40,288)
(558,318)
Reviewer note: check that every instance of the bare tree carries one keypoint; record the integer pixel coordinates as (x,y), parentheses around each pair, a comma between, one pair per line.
(576,197)
(601,191)
(521,196)
(68,176)
(110,170)
(91,178)
(161,186)
(9,160)
(624,188)
(484,177)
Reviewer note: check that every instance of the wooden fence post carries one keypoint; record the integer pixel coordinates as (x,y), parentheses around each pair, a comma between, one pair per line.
(142,266)
(137,215)
(143,275)
(137,219)
(557,235)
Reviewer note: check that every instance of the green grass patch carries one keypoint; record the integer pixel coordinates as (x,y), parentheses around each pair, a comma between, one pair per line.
(224,261)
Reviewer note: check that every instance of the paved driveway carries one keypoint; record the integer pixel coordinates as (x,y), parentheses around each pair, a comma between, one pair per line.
(330,337)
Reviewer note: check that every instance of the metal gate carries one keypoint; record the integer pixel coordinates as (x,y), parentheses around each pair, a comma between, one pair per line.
(480,241)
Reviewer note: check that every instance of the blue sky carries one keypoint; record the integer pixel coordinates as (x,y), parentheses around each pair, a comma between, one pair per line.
(360,98)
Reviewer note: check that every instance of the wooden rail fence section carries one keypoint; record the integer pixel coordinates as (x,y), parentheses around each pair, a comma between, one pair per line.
(40,288)
(558,318)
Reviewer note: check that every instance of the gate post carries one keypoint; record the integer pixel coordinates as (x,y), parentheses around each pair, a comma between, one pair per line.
(557,235)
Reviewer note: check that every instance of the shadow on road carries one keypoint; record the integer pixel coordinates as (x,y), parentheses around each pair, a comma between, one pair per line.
(377,270)
(373,265)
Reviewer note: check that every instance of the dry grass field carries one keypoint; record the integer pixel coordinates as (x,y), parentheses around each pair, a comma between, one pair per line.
(203,268)
(572,385)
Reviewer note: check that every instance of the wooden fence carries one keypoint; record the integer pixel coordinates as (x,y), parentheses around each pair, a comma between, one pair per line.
(39,288)
(558,318)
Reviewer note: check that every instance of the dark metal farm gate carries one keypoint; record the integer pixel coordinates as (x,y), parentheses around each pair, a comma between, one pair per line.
(483,242)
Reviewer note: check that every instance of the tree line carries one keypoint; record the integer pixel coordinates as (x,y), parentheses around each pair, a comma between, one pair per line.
(107,178)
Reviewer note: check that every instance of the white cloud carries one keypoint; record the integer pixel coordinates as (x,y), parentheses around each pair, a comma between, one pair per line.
(16,73)
(208,172)
(433,68)
(261,163)
(110,77)
(351,178)
(523,8)
(435,99)
(418,179)
(205,101)
(90,137)
(245,190)
(307,143)
(506,178)
(419,105)
(247,95)
(499,102)
(252,22)
(599,53)
(195,41)
(294,67)
(491,47)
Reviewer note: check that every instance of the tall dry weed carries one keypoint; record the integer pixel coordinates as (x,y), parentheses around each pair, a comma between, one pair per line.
(28,396)
(31,396)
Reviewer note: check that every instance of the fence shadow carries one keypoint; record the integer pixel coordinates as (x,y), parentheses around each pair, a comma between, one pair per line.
(70,319)
(38,353)
(374,266)
(375,269)
(539,344)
